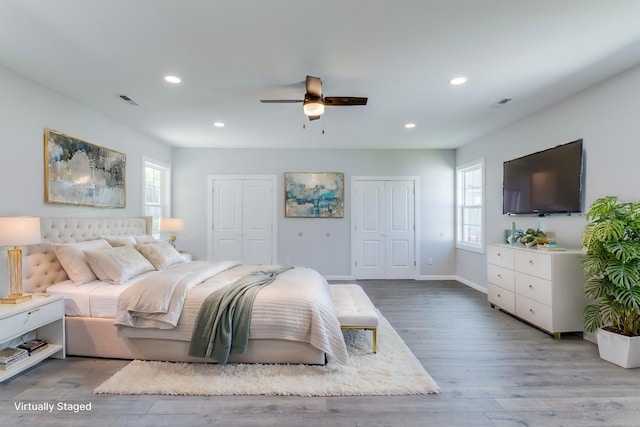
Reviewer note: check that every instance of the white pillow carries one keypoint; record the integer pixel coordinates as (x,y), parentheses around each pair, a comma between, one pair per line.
(71,257)
(117,265)
(160,254)
(147,238)
(116,241)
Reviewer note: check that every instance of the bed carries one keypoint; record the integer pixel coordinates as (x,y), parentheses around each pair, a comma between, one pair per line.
(284,328)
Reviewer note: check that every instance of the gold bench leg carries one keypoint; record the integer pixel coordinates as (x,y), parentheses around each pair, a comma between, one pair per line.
(373,330)
(375,339)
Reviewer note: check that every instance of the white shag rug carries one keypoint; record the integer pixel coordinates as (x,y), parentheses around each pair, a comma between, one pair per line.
(393,370)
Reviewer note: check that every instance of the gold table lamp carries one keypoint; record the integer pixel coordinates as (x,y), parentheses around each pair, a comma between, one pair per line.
(171,225)
(16,231)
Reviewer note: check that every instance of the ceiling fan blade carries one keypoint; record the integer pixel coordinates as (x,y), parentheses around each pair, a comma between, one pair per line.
(314,117)
(280,101)
(345,100)
(314,87)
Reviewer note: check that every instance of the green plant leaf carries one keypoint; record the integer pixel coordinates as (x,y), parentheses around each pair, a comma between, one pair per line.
(623,275)
(608,230)
(601,208)
(625,251)
(592,318)
(628,298)
(596,287)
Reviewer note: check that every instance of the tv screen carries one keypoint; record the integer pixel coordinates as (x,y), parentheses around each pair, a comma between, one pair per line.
(545,182)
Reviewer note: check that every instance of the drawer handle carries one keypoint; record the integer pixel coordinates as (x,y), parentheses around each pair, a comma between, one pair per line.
(530,286)
(35,310)
(499,296)
(499,254)
(532,311)
(530,261)
(500,276)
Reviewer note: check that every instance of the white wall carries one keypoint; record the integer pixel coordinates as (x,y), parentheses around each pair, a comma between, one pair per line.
(26,109)
(329,255)
(606,117)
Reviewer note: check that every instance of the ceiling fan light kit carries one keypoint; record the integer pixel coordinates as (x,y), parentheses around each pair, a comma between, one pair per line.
(313,108)
(313,103)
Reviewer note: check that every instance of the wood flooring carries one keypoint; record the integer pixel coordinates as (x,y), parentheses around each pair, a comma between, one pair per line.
(493,370)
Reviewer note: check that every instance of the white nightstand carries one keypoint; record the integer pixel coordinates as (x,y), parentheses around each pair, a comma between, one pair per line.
(41,316)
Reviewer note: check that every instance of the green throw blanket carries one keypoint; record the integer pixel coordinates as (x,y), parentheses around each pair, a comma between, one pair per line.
(222,325)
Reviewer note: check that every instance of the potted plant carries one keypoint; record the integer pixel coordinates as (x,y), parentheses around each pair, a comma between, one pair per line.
(612,266)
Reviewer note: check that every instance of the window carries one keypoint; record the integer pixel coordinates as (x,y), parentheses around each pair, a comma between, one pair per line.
(470,206)
(157,192)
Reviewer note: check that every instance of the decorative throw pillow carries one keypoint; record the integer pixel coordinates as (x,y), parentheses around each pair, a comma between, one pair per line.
(147,238)
(72,259)
(160,254)
(116,241)
(117,265)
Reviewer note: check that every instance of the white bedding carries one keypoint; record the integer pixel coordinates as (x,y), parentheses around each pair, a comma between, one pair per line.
(271,318)
(92,299)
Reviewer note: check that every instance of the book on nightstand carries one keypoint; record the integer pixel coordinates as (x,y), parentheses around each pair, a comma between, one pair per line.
(10,356)
(33,346)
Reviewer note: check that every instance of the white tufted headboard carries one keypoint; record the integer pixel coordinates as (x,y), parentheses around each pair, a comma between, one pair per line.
(43,268)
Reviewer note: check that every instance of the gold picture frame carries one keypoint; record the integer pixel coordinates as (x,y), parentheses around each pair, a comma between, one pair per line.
(78,172)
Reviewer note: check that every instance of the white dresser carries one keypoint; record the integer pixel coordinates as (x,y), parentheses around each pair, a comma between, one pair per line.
(543,288)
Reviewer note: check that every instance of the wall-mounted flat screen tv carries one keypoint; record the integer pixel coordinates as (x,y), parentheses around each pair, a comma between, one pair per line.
(546,182)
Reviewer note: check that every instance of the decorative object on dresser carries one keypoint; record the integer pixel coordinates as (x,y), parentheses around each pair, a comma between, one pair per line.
(171,226)
(543,288)
(612,265)
(39,319)
(16,231)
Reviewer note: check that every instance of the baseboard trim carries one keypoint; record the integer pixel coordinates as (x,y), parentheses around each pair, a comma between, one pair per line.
(437,277)
(471,284)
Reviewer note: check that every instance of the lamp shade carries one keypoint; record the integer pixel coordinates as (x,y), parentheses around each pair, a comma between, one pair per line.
(171,224)
(19,230)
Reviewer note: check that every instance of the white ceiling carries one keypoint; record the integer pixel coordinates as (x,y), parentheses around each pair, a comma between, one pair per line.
(400,54)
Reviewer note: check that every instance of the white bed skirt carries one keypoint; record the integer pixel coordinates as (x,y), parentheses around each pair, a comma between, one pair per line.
(95,337)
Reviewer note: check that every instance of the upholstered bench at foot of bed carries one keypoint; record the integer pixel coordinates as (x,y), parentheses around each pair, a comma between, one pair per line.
(354,309)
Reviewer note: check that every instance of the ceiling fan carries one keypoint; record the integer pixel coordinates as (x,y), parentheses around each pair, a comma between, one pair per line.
(313,103)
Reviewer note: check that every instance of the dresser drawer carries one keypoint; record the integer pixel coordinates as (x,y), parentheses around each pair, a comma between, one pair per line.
(501,256)
(533,263)
(501,276)
(502,298)
(32,318)
(534,312)
(534,288)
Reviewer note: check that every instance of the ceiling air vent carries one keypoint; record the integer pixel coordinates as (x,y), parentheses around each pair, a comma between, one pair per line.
(128,100)
(501,102)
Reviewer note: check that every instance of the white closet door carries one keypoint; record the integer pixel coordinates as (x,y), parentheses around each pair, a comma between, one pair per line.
(384,229)
(227,220)
(257,222)
(400,229)
(370,230)
(242,220)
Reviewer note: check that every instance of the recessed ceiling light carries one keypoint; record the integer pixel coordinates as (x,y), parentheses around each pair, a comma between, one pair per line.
(458,80)
(172,79)
(410,125)
(219,124)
